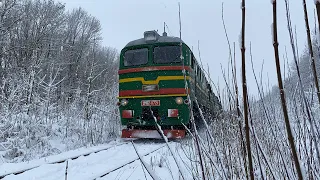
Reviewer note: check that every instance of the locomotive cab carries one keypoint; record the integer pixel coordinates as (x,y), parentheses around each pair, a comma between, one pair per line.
(154,72)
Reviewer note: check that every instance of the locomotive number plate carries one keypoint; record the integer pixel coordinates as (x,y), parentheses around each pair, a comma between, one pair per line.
(150,103)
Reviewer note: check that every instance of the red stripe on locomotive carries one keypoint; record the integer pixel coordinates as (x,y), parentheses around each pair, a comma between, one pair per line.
(153,68)
(160,92)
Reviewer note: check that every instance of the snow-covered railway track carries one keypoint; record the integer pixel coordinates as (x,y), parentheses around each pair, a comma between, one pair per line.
(58,160)
(133,159)
(92,165)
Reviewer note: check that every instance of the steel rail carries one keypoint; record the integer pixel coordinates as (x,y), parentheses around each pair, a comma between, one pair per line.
(16,172)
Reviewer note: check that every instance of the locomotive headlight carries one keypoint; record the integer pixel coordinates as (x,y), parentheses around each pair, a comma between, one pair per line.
(151,36)
(179,100)
(124,102)
(152,87)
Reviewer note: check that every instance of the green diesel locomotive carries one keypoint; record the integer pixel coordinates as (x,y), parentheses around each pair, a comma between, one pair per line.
(156,73)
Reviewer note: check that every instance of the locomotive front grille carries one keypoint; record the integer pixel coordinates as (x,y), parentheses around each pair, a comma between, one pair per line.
(146,114)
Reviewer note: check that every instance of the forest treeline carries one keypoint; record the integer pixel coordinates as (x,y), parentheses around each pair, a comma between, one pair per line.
(58,86)
(55,75)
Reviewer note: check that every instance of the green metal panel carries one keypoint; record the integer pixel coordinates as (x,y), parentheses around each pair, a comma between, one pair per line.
(165,102)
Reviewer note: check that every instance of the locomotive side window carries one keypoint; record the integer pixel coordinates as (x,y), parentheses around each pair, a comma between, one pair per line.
(192,61)
(196,67)
(166,54)
(136,57)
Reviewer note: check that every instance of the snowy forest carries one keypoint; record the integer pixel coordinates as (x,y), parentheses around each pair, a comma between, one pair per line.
(53,72)
(59,87)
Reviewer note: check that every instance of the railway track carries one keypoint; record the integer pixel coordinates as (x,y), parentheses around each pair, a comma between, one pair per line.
(16,171)
(125,164)
(93,165)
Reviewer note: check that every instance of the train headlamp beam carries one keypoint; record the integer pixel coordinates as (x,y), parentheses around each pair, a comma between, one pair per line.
(151,36)
(124,102)
(179,100)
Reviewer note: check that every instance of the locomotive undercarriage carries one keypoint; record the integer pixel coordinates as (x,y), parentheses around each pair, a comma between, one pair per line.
(136,130)
(171,131)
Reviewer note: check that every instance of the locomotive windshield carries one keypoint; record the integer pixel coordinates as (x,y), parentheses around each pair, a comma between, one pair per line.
(136,57)
(166,54)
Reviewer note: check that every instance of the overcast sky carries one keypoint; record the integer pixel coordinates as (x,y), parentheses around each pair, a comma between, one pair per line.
(126,20)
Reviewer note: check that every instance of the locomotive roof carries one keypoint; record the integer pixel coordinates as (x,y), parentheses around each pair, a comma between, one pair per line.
(161,39)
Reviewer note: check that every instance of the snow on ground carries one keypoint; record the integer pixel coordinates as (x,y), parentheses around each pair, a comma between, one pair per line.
(95,164)
(14,167)
(161,162)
